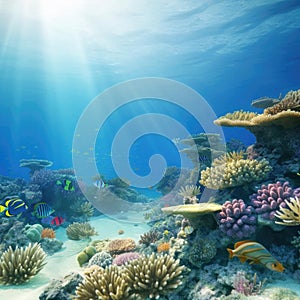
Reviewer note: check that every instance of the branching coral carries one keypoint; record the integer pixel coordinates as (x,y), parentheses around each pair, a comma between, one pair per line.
(19,265)
(78,231)
(154,276)
(104,284)
(290,216)
(232,170)
(149,237)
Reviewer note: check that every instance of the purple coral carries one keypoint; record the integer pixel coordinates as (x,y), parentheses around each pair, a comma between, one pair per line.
(270,197)
(237,219)
(123,258)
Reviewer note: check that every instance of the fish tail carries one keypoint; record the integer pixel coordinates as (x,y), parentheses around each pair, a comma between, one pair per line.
(230,251)
(2,208)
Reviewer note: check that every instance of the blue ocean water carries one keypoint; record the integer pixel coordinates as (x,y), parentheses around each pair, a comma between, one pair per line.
(56,57)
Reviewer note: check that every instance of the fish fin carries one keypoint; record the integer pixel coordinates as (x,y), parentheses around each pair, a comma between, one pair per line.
(2,208)
(8,214)
(230,251)
(242,259)
(237,244)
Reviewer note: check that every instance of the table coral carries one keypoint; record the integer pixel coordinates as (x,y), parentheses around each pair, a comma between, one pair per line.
(237,220)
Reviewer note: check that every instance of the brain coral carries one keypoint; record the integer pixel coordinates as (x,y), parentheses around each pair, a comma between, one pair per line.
(231,170)
(271,197)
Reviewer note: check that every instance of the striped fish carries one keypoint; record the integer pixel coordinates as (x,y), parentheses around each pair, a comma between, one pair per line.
(256,253)
(42,210)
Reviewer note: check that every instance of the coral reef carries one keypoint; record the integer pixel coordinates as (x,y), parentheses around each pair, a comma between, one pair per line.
(102,259)
(289,216)
(269,198)
(20,265)
(35,164)
(78,231)
(149,237)
(51,245)
(83,209)
(118,246)
(124,258)
(163,247)
(48,233)
(233,170)
(189,194)
(237,220)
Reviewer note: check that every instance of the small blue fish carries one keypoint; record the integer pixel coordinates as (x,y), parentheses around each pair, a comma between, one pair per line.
(42,210)
(13,206)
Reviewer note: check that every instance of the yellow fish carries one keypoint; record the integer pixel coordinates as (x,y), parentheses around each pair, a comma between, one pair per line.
(256,253)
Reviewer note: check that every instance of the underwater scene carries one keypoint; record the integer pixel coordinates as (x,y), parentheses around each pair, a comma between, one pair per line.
(149,150)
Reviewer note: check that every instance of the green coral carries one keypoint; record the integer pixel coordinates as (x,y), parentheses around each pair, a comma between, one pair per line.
(20,265)
(78,231)
(85,255)
(33,232)
(233,170)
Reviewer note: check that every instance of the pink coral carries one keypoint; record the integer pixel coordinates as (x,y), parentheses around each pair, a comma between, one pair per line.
(123,258)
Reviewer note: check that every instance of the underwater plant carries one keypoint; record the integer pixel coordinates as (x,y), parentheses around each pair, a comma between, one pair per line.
(78,231)
(289,216)
(20,265)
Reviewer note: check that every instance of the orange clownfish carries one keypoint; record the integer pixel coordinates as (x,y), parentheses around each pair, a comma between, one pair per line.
(256,253)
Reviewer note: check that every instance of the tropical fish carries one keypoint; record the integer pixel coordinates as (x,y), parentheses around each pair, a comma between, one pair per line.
(256,253)
(264,102)
(42,210)
(188,230)
(57,221)
(99,184)
(66,184)
(13,206)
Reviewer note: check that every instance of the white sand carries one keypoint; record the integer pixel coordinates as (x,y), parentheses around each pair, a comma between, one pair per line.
(64,262)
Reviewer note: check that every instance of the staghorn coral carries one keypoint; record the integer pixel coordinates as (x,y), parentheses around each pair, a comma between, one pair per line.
(270,198)
(153,276)
(149,237)
(236,219)
(289,216)
(104,284)
(19,265)
(291,101)
(48,233)
(232,170)
(78,231)
(118,246)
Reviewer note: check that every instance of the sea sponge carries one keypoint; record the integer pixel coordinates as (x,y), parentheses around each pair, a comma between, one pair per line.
(118,246)
(19,265)
(154,276)
(231,170)
(78,231)
(48,233)
(104,284)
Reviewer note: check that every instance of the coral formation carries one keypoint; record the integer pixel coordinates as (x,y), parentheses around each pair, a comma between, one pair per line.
(124,258)
(85,209)
(202,251)
(52,245)
(232,170)
(33,232)
(48,233)
(269,198)
(163,247)
(237,220)
(85,255)
(189,194)
(78,231)
(35,164)
(289,216)
(149,237)
(102,259)
(20,265)
(154,276)
(104,284)
(118,246)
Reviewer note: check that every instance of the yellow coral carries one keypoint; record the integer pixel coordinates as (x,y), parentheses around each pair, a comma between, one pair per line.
(290,216)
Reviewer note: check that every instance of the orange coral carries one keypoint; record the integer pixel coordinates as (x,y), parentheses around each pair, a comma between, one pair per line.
(48,233)
(163,247)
